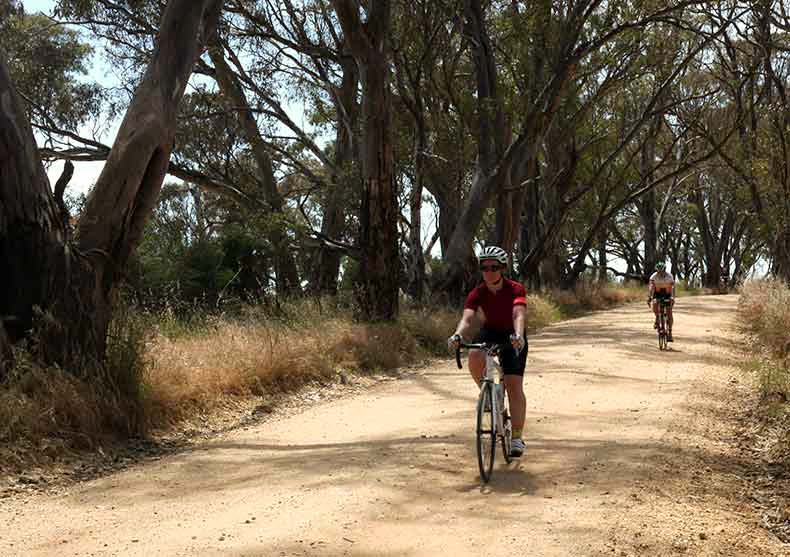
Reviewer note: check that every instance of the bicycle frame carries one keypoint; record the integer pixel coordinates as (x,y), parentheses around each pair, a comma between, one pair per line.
(494,375)
(663,317)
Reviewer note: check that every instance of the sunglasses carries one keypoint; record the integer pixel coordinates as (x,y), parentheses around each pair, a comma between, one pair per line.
(492,268)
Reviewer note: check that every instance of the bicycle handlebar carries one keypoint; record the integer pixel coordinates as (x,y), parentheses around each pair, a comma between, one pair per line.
(491,348)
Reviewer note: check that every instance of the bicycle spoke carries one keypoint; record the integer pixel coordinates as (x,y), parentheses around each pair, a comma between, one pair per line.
(486,438)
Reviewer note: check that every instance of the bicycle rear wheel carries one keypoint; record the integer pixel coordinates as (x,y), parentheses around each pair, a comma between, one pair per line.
(486,435)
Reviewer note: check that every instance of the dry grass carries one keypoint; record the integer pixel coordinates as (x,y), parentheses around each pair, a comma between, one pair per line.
(541,312)
(258,357)
(764,312)
(46,414)
(163,370)
(591,296)
(764,316)
(265,355)
(45,411)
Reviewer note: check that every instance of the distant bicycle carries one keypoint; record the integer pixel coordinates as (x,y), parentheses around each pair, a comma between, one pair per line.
(493,415)
(724,284)
(663,305)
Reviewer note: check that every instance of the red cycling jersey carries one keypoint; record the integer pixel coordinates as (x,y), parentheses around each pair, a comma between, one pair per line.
(498,306)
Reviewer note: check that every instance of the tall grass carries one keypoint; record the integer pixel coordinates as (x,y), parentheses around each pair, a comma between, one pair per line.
(45,411)
(764,315)
(261,356)
(591,296)
(166,368)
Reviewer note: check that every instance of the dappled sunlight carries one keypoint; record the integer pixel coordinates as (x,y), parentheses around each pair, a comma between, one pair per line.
(603,437)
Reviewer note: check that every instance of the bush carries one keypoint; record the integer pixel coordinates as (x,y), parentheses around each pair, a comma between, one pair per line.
(590,296)
(764,315)
(764,312)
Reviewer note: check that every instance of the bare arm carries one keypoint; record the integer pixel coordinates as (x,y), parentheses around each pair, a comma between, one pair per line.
(465,323)
(520,320)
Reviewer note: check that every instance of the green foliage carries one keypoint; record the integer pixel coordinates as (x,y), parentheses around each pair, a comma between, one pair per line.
(48,64)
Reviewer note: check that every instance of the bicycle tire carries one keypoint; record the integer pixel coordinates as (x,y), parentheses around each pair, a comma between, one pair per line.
(486,435)
(662,330)
(507,433)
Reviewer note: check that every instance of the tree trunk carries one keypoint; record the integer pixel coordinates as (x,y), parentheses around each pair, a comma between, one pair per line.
(416,257)
(484,186)
(32,237)
(379,278)
(781,254)
(284,263)
(6,354)
(380,268)
(43,279)
(647,204)
(72,290)
(491,120)
(334,213)
(647,213)
(530,230)
(602,262)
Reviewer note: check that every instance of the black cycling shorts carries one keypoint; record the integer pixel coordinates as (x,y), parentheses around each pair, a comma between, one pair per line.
(663,297)
(511,364)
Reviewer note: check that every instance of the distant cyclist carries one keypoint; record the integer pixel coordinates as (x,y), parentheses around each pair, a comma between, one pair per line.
(504,306)
(662,286)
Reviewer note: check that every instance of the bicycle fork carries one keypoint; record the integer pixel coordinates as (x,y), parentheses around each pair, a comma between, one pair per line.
(499,396)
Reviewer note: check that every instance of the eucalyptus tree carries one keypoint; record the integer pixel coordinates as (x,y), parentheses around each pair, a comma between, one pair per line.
(315,63)
(63,295)
(750,64)
(282,53)
(578,34)
(614,141)
(50,65)
(420,39)
(722,225)
(367,31)
(447,98)
(681,242)
(252,187)
(236,100)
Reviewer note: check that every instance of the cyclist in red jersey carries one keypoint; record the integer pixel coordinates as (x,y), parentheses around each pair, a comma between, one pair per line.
(503,303)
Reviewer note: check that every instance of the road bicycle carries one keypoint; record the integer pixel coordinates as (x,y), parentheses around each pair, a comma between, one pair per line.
(493,415)
(663,306)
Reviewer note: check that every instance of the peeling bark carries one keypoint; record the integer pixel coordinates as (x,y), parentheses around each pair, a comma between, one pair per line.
(61,294)
(378,280)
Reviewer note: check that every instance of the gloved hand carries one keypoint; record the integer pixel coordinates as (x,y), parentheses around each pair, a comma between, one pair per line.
(518,342)
(453,342)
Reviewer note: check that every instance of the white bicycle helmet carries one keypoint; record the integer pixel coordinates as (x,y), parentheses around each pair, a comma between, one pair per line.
(495,253)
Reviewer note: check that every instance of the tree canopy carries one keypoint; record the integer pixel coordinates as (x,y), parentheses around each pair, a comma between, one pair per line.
(368,149)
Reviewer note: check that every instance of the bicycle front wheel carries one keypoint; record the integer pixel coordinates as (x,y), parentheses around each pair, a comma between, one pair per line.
(662,332)
(507,432)
(486,434)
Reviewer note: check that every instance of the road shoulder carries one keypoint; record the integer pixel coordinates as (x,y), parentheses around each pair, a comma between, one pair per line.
(699,497)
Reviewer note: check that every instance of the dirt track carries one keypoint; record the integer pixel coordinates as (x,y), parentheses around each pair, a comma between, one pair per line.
(627,454)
